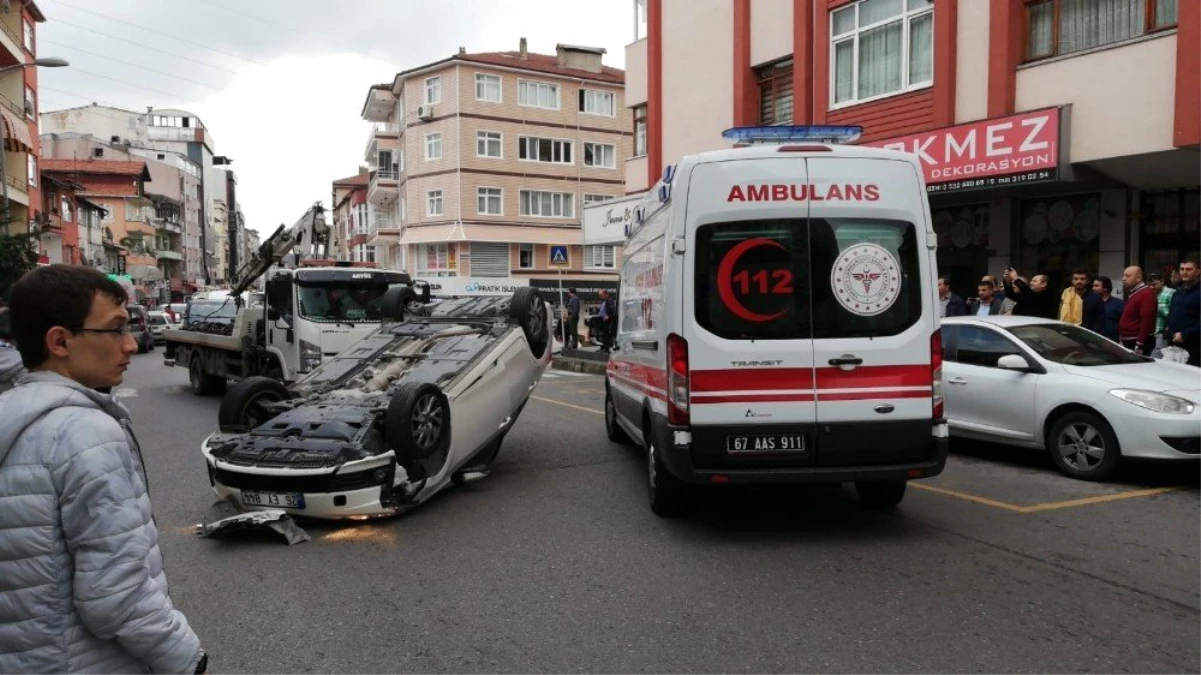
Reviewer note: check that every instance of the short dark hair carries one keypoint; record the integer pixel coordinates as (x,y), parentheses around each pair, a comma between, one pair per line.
(1106,283)
(1190,260)
(1155,276)
(945,279)
(55,295)
(1080,270)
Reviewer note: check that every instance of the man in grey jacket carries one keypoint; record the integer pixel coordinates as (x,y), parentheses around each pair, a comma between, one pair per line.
(82,586)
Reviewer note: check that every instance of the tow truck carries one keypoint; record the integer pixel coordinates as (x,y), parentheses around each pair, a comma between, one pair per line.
(309,313)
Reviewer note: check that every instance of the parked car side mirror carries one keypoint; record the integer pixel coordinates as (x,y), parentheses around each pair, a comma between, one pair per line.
(1013,362)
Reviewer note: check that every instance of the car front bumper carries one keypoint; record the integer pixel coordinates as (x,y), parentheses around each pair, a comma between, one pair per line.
(1141,433)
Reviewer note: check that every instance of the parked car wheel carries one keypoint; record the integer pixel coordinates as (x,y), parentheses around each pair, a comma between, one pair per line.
(1083,446)
(528,309)
(668,495)
(242,408)
(417,423)
(880,494)
(612,429)
(202,383)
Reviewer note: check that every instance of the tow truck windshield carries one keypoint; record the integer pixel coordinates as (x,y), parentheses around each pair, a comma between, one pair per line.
(341,301)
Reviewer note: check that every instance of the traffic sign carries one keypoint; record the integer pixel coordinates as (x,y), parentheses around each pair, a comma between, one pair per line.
(558,256)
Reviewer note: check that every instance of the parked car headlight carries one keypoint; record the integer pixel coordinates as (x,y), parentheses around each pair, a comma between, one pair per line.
(1155,401)
(310,356)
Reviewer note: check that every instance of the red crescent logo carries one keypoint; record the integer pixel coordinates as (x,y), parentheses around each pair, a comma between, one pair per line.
(725,273)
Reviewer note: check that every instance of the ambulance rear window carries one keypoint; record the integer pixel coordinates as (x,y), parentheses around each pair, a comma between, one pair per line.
(790,279)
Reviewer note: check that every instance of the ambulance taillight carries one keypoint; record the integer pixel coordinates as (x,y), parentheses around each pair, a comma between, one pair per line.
(678,390)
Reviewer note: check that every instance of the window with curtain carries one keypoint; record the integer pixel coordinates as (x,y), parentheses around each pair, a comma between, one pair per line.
(775,92)
(1058,27)
(880,48)
(639,130)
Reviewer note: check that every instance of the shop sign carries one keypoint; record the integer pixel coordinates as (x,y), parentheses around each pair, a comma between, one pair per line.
(607,222)
(451,286)
(587,290)
(1028,147)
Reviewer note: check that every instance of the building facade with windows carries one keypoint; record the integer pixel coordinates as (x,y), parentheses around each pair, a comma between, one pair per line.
(1055,133)
(22,198)
(480,165)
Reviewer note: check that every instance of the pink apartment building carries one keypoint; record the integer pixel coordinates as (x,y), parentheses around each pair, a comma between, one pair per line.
(480,165)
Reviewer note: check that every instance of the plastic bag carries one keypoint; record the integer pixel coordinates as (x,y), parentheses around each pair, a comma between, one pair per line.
(1173,354)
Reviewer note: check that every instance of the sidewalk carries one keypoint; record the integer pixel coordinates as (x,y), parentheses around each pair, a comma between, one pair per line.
(588,359)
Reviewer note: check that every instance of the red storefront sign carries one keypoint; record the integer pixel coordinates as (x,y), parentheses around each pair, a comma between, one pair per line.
(1021,148)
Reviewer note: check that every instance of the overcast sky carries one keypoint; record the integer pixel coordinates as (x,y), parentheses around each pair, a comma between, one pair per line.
(280,83)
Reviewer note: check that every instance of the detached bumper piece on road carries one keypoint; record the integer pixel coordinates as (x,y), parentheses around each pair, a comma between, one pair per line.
(224,518)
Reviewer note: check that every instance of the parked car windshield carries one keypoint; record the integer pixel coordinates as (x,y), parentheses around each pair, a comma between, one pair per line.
(1074,346)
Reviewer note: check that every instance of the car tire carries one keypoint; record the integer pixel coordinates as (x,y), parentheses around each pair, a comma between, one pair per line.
(669,496)
(241,408)
(612,429)
(881,494)
(417,423)
(528,309)
(1073,444)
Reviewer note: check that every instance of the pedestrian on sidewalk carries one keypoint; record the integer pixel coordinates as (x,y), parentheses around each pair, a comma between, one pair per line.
(1184,316)
(1163,300)
(1110,316)
(949,303)
(83,583)
(1078,301)
(1032,297)
(1137,325)
(10,358)
(572,340)
(998,292)
(987,303)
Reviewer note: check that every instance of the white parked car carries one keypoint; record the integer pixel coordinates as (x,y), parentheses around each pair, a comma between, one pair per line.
(1049,385)
(412,408)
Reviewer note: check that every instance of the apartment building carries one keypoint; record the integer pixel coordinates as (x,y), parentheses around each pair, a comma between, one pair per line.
(1055,133)
(480,164)
(349,221)
(169,131)
(20,183)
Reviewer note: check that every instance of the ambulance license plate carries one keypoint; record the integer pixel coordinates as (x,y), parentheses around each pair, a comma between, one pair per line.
(765,443)
(283,500)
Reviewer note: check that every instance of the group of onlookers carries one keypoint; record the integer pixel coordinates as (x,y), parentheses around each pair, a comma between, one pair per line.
(1150,316)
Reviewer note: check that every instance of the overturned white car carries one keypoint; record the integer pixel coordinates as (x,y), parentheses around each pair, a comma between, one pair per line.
(418,405)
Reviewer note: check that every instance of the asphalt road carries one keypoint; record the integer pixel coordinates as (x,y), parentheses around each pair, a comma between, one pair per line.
(555,563)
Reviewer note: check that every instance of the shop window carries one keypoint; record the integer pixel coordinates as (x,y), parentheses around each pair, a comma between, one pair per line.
(880,48)
(775,92)
(963,242)
(1058,235)
(1058,27)
(1168,228)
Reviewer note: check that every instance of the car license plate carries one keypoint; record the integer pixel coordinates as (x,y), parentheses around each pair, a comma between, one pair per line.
(283,500)
(765,443)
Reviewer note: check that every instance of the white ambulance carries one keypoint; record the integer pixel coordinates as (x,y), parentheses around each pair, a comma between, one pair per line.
(778,321)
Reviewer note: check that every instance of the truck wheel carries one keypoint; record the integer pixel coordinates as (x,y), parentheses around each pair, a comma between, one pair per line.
(202,383)
(880,494)
(242,408)
(417,423)
(529,310)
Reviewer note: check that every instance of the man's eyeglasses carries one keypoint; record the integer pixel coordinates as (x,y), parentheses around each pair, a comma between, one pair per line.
(123,331)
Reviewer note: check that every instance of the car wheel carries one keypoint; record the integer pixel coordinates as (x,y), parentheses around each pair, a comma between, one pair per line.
(669,496)
(1083,446)
(529,310)
(242,408)
(612,429)
(202,383)
(880,494)
(417,423)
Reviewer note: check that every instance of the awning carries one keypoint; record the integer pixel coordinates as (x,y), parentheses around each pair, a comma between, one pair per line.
(532,234)
(16,132)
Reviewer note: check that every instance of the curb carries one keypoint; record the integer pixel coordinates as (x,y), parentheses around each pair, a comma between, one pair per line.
(578,365)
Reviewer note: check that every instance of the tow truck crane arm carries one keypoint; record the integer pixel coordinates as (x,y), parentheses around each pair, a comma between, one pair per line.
(302,237)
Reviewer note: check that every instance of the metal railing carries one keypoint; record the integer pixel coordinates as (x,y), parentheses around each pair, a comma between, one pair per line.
(387,174)
(12,105)
(8,30)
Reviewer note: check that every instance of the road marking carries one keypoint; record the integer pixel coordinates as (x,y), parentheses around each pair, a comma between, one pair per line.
(568,405)
(1047,506)
(125,392)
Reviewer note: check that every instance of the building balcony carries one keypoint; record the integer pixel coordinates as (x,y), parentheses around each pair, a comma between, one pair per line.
(133,227)
(16,108)
(168,225)
(172,254)
(10,39)
(384,187)
(18,189)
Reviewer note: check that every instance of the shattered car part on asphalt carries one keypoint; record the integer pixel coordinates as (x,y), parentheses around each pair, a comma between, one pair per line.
(412,408)
(224,518)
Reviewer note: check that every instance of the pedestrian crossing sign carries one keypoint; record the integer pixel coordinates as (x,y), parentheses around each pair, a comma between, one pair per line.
(558,256)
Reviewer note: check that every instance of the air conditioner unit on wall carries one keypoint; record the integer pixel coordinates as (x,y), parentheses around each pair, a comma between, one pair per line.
(425,112)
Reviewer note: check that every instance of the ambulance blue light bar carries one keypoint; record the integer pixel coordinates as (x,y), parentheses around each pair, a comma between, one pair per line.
(792,134)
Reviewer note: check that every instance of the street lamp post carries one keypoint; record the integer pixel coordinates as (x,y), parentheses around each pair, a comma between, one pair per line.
(48,62)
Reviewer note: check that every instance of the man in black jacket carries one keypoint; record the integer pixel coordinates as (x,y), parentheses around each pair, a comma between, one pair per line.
(1032,297)
(986,304)
(952,305)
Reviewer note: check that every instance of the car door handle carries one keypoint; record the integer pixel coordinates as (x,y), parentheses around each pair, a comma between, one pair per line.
(649,345)
(957,380)
(846,361)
